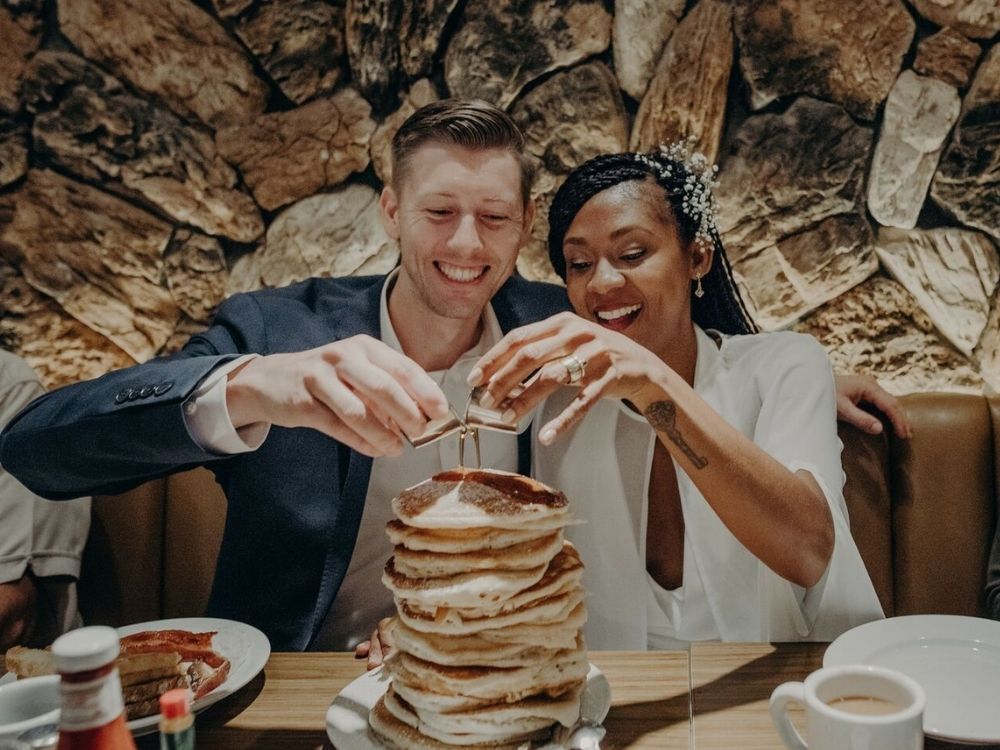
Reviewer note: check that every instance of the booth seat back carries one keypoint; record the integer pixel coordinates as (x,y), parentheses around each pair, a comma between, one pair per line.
(922,511)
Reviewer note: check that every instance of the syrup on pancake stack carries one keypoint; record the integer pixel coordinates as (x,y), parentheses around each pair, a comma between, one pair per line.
(488,650)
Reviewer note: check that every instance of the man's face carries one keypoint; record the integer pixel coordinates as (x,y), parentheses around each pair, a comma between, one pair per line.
(459,221)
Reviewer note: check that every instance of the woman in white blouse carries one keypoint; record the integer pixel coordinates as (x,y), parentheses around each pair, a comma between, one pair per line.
(702,455)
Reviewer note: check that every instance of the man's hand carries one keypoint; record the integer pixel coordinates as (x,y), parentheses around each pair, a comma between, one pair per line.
(864,389)
(358,391)
(378,648)
(18,610)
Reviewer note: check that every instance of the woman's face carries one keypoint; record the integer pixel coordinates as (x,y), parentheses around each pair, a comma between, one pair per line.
(626,268)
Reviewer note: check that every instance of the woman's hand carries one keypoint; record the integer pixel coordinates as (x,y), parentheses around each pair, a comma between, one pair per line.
(614,366)
(378,648)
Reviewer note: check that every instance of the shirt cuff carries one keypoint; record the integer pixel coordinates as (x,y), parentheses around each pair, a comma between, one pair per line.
(207,417)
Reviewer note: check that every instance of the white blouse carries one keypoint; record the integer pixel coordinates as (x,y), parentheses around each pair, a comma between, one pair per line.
(777,389)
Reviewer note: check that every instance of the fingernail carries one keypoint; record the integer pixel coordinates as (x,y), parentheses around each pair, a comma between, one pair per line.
(546,437)
(486,400)
(475,376)
(509,416)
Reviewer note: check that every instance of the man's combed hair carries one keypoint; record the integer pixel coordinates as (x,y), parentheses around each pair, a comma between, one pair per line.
(721,308)
(473,124)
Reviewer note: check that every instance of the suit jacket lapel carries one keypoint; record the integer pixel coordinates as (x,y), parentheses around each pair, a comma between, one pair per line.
(358,315)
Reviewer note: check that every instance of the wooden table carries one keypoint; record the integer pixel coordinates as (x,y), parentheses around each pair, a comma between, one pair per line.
(285,706)
(716,697)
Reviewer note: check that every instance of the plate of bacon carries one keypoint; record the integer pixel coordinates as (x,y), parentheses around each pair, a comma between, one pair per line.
(213,657)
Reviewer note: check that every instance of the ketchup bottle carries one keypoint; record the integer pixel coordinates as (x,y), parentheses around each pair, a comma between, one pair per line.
(93,712)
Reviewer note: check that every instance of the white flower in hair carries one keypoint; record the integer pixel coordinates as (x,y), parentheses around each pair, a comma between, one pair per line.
(699,179)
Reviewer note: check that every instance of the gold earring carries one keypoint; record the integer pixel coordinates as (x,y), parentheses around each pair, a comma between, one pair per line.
(699,292)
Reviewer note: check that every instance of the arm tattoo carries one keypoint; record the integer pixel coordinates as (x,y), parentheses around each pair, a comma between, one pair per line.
(662,415)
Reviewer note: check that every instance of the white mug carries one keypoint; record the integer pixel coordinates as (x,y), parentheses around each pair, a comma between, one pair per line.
(898,700)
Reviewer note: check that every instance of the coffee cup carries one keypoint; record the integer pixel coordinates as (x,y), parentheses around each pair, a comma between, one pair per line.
(28,703)
(857,707)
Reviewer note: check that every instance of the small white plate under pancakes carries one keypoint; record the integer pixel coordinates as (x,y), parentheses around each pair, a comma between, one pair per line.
(347,717)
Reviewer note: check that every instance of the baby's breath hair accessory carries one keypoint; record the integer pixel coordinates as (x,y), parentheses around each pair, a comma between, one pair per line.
(688,172)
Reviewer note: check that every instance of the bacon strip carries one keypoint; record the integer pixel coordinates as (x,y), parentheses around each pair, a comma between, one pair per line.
(191,646)
(205,679)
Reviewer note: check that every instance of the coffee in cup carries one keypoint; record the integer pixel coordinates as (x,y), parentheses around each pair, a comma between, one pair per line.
(852,706)
(864,705)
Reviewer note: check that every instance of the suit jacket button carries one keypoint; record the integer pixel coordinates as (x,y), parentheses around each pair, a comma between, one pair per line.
(122,396)
(160,389)
(146,391)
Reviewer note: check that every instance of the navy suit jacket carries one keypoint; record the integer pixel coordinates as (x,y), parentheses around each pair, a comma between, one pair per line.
(294,504)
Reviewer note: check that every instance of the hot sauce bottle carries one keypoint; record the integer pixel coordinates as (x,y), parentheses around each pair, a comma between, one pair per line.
(93,712)
(176,720)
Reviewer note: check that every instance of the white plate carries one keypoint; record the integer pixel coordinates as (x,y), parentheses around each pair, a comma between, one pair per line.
(246,648)
(347,717)
(955,659)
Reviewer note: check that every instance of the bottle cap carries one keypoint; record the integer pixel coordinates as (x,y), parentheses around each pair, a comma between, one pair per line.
(175,703)
(84,649)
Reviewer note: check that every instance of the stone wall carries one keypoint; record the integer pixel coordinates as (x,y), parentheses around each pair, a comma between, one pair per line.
(157,155)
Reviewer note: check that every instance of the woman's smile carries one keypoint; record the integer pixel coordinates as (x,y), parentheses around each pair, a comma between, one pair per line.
(617,317)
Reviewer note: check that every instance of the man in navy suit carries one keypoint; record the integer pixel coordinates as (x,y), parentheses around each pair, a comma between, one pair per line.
(298,398)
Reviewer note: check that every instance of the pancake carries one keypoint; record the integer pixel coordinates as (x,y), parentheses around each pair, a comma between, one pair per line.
(564,573)
(497,720)
(554,635)
(555,609)
(476,589)
(523,556)
(466,650)
(397,734)
(437,701)
(469,498)
(456,541)
(500,684)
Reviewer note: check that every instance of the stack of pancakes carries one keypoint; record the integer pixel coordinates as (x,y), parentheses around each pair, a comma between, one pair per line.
(488,650)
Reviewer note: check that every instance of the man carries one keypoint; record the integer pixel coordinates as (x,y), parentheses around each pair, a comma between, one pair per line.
(360,362)
(347,358)
(40,541)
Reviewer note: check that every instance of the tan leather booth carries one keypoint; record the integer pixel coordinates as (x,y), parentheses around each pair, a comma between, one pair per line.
(922,510)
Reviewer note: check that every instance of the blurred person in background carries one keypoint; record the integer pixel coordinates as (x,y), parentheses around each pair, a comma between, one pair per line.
(41,541)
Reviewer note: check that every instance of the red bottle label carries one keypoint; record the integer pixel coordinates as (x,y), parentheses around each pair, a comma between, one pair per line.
(90,704)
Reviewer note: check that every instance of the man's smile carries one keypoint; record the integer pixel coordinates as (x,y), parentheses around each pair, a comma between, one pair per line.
(460,274)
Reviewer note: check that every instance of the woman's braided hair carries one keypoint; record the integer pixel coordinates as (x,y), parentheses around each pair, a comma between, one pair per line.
(687,180)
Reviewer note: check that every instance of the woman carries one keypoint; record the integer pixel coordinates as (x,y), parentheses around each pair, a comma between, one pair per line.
(703,456)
